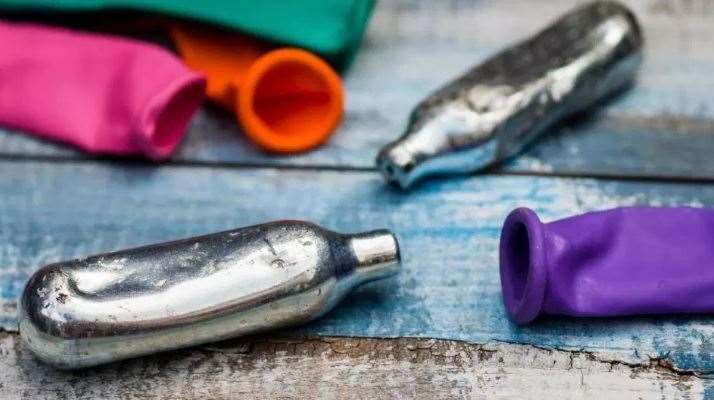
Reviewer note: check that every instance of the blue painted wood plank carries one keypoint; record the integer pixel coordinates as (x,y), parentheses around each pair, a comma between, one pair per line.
(412,47)
(449,231)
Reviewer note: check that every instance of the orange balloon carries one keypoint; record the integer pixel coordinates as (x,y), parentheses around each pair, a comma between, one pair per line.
(288,100)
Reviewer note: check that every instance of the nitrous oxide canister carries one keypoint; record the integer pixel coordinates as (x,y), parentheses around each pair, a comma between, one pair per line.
(134,302)
(495,109)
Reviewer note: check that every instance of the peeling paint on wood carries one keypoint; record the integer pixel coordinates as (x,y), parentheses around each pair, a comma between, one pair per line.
(449,229)
(348,368)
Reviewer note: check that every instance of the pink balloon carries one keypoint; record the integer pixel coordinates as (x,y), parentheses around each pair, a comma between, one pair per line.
(104,94)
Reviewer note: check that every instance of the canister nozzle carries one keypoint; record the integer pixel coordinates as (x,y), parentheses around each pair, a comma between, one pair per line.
(377,254)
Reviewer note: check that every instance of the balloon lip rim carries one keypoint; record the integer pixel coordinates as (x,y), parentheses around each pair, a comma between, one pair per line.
(159,142)
(527,307)
(262,134)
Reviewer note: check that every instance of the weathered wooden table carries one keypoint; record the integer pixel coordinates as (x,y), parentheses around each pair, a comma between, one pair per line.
(438,330)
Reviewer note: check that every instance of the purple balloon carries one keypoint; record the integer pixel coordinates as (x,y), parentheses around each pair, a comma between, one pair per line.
(624,261)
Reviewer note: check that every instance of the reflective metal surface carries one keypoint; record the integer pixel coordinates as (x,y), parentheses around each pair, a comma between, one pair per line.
(496,108)
(119,305)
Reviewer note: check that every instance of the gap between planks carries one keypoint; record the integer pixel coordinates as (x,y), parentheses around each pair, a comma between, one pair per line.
(496,170)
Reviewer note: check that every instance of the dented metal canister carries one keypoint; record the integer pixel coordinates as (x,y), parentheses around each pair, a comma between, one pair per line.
(495,109)
(134,302)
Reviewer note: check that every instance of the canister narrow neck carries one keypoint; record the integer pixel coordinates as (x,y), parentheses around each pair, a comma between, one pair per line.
(376,253)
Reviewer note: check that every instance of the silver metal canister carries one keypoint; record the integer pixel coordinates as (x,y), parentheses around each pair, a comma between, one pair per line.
(134,302)
(495,109)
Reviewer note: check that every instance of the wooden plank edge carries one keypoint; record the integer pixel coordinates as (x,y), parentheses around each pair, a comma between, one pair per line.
(334,367)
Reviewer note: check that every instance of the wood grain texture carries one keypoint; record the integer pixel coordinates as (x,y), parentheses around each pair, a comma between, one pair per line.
(344,368)
(449,287)
(414,46)
(55,204)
